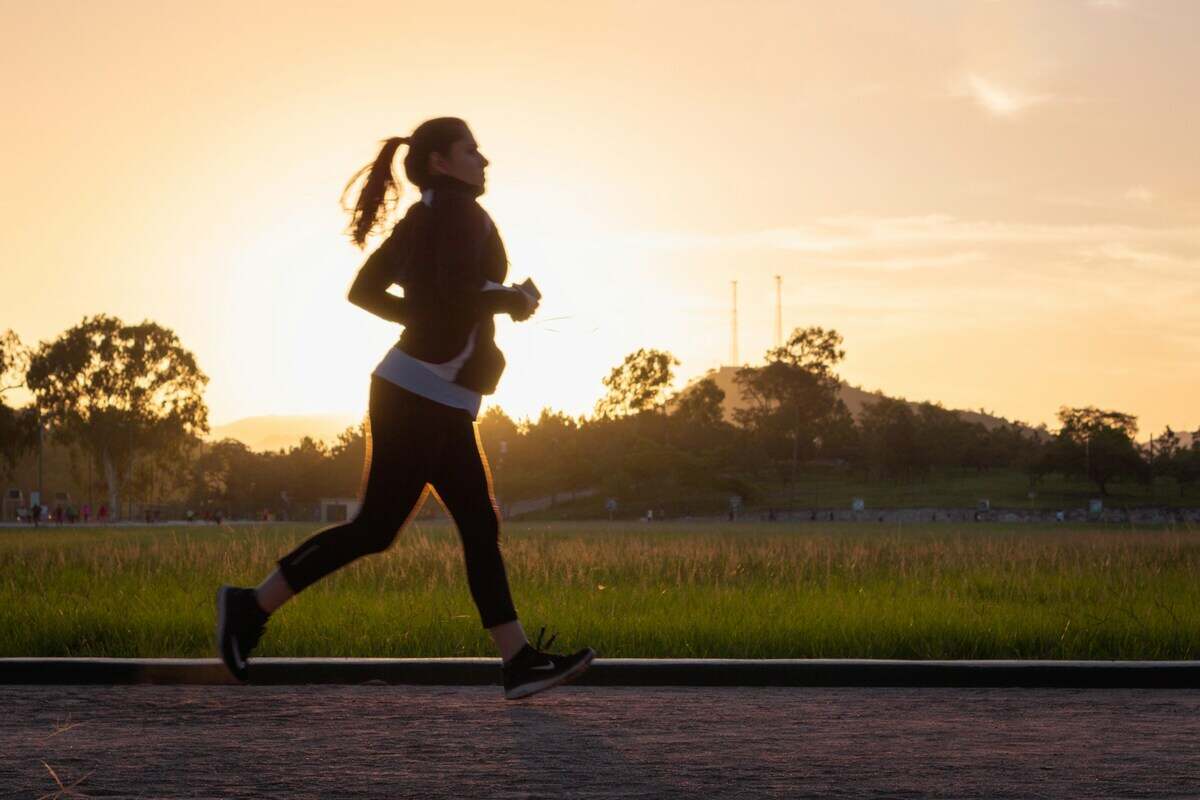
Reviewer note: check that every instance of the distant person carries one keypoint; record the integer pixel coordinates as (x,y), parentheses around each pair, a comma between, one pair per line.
(424,397)
(102,514)
(87,512)
(35,514)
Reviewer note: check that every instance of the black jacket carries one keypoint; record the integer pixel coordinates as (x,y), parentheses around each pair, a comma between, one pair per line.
(441,255)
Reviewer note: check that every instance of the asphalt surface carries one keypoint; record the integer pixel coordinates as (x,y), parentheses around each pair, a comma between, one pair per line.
(695,672)
(596,742)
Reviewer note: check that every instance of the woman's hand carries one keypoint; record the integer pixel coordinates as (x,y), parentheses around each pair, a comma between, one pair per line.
(531,304)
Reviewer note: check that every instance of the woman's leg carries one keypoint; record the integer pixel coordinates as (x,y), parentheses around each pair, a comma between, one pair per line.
(273,592)
(464,483)
(399,447)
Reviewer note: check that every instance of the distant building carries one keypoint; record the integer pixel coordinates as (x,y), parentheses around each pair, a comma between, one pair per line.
(338,509)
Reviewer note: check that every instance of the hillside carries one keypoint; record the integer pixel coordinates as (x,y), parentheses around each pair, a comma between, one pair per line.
(854,398)
(283,431)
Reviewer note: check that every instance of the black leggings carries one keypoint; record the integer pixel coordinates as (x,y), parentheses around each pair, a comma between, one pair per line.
(414,441)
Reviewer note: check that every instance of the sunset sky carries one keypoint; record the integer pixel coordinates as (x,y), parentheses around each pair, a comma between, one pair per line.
(997,204)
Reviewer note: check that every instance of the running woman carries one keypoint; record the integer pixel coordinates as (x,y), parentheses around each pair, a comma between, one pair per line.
(425,395)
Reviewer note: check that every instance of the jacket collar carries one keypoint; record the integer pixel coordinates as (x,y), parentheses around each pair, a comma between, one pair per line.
(448,183)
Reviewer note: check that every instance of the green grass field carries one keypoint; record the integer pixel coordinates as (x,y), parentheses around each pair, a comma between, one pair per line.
(962,488)
(629,590)
(823,487)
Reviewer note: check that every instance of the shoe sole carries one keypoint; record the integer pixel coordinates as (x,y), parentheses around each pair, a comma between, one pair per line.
(222,593)
(564,677)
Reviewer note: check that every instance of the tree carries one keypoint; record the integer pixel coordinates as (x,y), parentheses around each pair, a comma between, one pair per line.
(948,441)
(305,471)
(700,404)
(793,398)
(813,349)
(1187,463)
(497,432)
(553,443)
(889,432)
(347,456)
(119,391)
(638,384)
(18,426)
(1097,444)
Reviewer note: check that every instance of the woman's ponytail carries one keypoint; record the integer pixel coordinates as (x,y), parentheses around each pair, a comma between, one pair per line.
(379,192)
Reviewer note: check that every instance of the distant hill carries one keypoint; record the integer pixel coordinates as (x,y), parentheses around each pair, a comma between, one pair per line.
(275,432)
(282,432)
(854,398)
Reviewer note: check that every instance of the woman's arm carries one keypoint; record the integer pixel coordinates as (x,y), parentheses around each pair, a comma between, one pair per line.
(460,235)
(369,290)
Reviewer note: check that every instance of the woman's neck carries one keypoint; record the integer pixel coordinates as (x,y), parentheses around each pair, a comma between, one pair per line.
(444,181)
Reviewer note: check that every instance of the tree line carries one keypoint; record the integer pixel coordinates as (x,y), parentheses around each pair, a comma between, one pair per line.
(128,398)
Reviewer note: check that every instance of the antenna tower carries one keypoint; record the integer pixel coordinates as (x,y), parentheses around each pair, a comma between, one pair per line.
(778,311)
(733,333)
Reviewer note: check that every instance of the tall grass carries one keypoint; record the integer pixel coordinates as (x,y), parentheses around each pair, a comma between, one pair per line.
(668,590)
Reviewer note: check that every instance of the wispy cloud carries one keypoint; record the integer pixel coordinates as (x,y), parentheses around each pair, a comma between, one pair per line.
(1165,262)
(903,263)
(1139,194)
(811,239)
(997,100)
(845,234)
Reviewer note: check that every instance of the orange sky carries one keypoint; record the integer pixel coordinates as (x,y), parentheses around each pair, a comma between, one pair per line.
(996,203)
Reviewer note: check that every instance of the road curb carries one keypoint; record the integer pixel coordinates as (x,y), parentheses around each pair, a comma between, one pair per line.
(617,672)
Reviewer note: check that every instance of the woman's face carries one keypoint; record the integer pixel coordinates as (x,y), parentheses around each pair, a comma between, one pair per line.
(464,162)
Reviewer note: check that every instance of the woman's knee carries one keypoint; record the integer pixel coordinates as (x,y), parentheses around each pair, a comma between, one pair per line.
(374,533)
(480,527)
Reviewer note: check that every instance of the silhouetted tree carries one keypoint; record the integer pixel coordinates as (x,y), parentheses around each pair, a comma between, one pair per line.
(812,349)
(793,397)
(305,468)
(840,438)
(1098,445)
(1187,463)
(639,383)
(700,404)
(347,462)
(697,420)
(889,431)
(948,441)
(559,463)
(120,391)
(18,426)
(1164,454)
(503,444)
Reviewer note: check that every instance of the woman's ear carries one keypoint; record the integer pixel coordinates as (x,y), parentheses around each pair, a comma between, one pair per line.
(437,163)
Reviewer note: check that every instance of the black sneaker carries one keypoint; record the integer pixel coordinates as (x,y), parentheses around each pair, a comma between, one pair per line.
(240,624)
(531,670)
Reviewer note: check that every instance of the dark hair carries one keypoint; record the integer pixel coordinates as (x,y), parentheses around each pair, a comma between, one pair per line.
(380,191)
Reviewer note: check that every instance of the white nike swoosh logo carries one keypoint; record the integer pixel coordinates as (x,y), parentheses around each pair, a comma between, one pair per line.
(544,666)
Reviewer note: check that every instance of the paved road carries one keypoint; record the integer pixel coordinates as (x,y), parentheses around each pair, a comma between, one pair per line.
(597,742)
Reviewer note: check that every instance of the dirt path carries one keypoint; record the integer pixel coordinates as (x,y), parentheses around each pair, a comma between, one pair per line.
(597,742)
